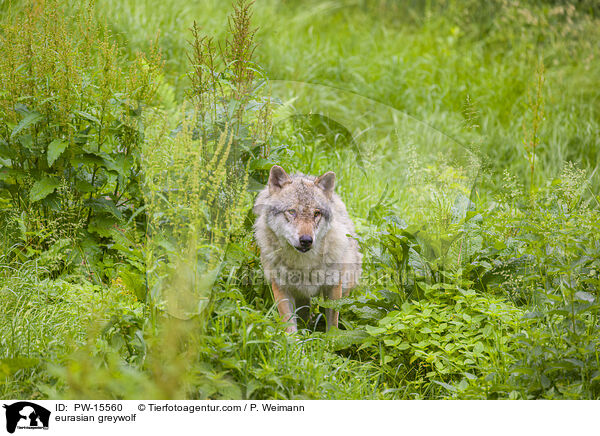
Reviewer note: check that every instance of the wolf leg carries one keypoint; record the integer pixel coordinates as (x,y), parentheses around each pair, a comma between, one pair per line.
(335,293)
(285,307)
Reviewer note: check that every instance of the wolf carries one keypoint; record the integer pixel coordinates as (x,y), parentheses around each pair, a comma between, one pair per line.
(307,243)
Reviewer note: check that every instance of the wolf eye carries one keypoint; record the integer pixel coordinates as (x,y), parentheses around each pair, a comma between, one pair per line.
(292,212)
(317,213)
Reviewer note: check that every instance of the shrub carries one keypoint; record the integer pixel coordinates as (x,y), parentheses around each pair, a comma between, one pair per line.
(71,127)
(516,318)
(543,254)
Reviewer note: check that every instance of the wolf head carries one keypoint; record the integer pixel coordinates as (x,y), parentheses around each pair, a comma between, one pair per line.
(299,208)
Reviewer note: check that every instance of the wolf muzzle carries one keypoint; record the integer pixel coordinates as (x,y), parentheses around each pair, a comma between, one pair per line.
(305,243)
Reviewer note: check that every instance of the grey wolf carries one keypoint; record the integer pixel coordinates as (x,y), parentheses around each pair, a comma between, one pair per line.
(307,244)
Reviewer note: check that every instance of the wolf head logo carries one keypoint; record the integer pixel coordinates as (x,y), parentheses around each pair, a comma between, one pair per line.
(26,414)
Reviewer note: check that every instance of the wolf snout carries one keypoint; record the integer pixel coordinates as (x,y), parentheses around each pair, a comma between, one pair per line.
(305,243)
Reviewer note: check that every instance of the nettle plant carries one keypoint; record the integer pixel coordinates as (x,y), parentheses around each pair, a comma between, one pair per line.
(229,93)
(70,127)
(197,172)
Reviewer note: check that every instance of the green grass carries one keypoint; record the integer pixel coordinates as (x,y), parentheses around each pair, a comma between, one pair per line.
(78,341)
(424,63)
(428,108)
(43,321)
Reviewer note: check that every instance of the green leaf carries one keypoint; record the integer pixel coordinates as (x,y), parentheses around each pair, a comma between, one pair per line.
(134,281)
(120,164)
(367,313)
(27,142)
(102,225)
(88,117)
(342,339)
(464,384)
(29,119)
(12,176)
(575,362)
(261,164)
(87,159)
(522,370)
(478,348)
(55,149)
(545,381)
(488,330)
(105,205)
(585,296)
(84,186)
(375,331)
(42,188)
(445,385)
(6,151)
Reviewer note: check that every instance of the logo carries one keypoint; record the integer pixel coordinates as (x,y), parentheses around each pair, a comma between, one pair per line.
(26,415)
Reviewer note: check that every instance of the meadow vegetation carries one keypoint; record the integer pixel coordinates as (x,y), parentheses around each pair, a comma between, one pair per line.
(135,134)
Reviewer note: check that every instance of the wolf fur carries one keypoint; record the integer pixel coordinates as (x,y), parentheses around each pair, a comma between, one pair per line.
(306,241)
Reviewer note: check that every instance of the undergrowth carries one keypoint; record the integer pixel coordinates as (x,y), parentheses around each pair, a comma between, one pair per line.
(128,268)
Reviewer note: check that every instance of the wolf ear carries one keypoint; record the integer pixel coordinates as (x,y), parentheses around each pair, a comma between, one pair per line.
(326,182)
(278,178)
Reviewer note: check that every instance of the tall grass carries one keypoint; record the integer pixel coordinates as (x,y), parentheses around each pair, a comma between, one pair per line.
(469,291)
